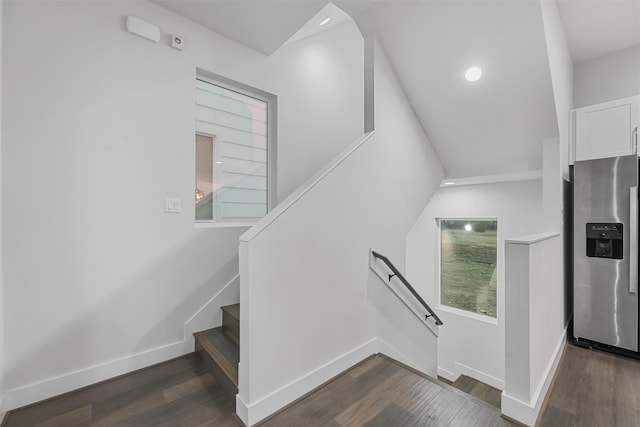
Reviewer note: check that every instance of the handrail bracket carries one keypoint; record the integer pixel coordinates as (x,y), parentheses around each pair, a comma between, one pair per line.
(405,282)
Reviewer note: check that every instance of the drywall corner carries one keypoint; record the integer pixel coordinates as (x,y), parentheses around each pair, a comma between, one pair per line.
(527,413)
(2,394)
(561,69)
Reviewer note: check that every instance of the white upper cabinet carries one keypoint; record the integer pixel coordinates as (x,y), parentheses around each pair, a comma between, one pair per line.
(604,130)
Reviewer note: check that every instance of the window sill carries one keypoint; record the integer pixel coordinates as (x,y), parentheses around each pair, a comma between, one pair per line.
(223,224)
(468,314)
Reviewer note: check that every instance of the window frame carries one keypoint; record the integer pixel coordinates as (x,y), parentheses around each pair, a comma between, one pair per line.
(438,271)
(272,119)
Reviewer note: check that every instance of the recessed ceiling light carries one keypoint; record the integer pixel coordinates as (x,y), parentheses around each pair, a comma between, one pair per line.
(473,74)
(325,21)
(449,183)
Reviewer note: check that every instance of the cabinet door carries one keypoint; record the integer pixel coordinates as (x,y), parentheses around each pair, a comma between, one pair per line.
(606,130)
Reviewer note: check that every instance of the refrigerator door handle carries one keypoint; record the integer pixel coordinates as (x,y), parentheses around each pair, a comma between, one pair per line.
(633,240)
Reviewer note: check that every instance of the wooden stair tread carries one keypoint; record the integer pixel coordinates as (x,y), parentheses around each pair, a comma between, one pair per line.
(222,350)
(479,390)
(232,310)
(233,336)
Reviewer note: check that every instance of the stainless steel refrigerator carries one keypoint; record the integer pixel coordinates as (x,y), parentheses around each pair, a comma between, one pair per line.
(605,233)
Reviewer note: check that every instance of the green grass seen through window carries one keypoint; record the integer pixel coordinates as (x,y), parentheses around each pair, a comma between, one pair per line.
(468,265)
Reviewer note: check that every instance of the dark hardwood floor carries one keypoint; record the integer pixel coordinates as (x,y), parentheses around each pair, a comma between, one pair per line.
(180,392)
(594,388)
(380,392)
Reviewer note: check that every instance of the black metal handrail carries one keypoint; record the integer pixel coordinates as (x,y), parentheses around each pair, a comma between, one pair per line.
(408,286)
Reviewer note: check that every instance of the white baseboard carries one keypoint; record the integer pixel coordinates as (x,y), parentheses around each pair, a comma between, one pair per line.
(478,375)
(251,413)
(35,392)
(3,409)
(390,351)
(267,405)
(45,389)
(461,369)
(446,374)
(527,412)
(517,410)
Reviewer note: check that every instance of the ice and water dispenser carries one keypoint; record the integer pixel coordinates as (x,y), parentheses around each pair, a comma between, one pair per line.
(604,240)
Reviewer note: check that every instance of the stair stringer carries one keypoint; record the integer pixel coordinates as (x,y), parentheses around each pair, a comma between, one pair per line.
(210,314)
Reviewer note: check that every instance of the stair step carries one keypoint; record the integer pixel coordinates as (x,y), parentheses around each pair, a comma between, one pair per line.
(232,310)
(221,356)
(231,322)
(478,389)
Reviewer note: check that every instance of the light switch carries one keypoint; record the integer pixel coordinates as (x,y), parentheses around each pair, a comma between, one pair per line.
(172,205)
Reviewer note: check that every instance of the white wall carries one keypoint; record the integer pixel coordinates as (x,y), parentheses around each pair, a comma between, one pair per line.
(535,327)
(305,307)
(2,396)
(318,81)
(561,67)
(466,345)
(607,78)
(99,129)
(401,326)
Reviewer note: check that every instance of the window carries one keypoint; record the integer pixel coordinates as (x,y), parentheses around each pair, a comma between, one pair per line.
(235,151)
(468,259)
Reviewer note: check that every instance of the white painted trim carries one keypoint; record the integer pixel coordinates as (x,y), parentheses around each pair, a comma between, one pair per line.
(527,412)
(518,410)
(71,381)
(446,374)
(45,389)
(468,314)
(272,402)
(242,409)
(532,238)
(391,352)
(493,179)
(550,370)
(223,224)
(3,408)
(251,414)
(478,375)
(283,206)
(572,137)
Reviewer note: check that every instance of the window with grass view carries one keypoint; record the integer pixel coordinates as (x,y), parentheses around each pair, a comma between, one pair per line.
(468,259)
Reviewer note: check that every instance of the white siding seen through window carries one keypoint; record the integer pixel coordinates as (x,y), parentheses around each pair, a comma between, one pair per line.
(231,155)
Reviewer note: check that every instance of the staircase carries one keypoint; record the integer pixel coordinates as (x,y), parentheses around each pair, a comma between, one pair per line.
(220,349)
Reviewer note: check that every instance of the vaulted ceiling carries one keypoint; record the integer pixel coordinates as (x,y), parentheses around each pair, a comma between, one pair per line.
(492,126)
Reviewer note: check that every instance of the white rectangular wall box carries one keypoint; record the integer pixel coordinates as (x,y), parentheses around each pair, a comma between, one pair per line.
(143,28)
(172,205)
